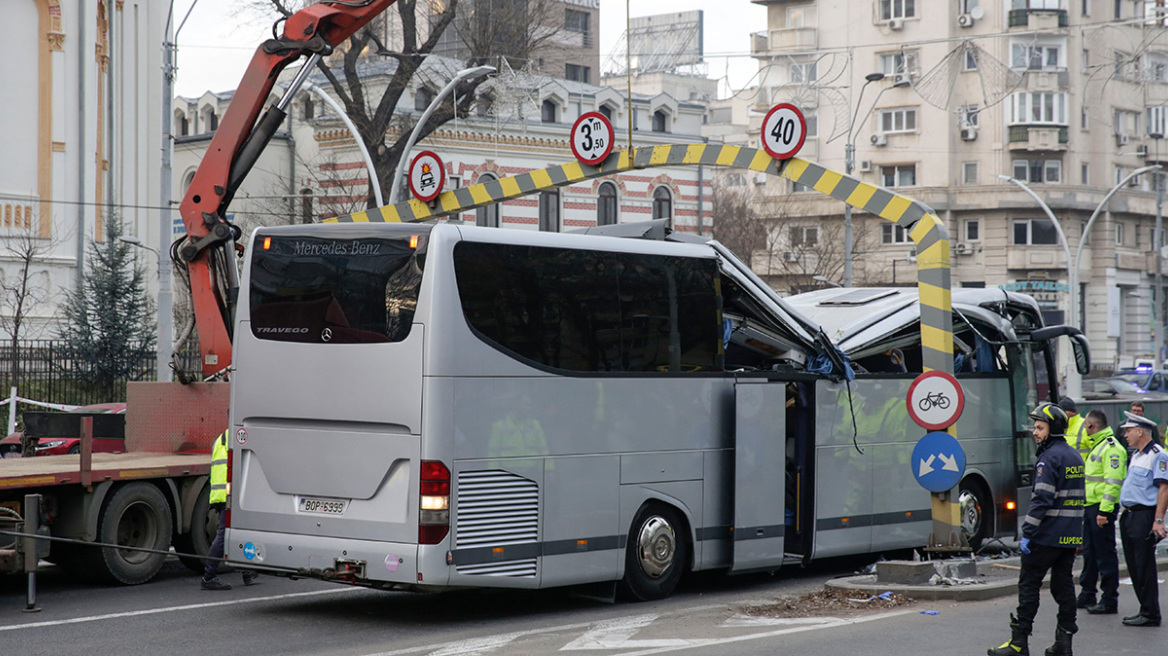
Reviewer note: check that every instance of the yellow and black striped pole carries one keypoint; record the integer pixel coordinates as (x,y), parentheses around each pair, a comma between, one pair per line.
(923,226)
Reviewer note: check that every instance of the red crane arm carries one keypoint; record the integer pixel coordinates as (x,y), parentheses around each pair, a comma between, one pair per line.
(237,142)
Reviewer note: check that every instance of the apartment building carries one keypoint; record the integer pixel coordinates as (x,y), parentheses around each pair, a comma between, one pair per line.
(937,100)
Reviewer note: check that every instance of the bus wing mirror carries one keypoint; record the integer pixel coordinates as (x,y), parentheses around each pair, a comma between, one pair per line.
(1079,345)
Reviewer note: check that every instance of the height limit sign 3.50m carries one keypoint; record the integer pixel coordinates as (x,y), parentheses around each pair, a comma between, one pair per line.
(783,131)
(591,138)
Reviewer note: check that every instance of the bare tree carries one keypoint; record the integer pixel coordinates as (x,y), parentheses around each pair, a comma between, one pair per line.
(22,290)
(735,223)
(510,28)
(799,246)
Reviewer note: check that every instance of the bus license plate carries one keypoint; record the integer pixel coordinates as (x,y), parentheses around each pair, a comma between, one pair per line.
(322,506)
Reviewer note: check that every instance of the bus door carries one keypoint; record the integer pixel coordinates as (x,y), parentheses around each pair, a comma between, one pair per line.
(759,474)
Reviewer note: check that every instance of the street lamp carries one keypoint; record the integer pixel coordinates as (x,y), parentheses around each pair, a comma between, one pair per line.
(403,162)
(163,350)
(1074,379)
(850,160)
(336,107)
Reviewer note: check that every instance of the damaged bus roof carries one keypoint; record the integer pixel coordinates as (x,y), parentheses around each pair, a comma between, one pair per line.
(860,319)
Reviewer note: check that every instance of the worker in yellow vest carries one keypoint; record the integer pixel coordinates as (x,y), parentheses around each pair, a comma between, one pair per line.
(211,580)
(1104,470)
(1077,434)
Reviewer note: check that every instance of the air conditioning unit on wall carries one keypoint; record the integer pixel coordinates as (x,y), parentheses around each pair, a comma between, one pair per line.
(968,134)
(964,249)
(1142,150)
(865,166)
(790,256)
(1121,139)
(965,20)
(896,24)
(879,139)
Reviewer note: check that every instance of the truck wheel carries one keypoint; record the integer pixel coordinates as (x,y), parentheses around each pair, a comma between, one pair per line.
(136,515)
(204,524)
(656,553)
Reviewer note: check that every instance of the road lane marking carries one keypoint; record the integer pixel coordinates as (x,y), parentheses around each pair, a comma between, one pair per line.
(618,634)
(173,609)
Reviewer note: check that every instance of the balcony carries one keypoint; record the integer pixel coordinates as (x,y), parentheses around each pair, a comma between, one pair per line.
(794,39)
(1038,137)
(1038,20)
(759,43)
(1035,257)
(1047,80)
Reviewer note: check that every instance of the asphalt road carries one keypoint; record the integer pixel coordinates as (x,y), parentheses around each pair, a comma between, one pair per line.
(173,617)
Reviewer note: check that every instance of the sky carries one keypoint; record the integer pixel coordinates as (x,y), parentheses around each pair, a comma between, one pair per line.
(218,39)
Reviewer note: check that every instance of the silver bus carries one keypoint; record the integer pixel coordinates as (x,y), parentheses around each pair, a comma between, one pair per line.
(426,406)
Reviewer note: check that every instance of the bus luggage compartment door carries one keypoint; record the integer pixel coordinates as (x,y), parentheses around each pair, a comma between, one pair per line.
(759,474)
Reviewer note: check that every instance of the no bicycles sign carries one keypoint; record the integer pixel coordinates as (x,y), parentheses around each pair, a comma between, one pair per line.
(935,400)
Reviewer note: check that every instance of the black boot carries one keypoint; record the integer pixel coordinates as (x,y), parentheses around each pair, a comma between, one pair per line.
(1017,645)
(1062,643)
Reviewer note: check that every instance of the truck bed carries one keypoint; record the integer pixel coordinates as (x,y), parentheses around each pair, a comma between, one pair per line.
(66,470)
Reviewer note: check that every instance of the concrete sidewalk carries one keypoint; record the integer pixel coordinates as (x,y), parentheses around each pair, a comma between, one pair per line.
(996,577)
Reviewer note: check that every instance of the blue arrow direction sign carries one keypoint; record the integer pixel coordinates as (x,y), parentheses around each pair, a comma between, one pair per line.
(938,461)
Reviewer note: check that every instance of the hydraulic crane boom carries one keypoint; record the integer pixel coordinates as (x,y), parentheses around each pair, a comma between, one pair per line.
(237,144)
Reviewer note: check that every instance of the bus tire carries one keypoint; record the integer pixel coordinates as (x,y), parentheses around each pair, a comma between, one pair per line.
(135,515)
(194,545)
(656,553)
(976,512)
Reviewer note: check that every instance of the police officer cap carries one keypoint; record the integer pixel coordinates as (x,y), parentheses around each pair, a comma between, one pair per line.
(1136,421)
(1068,404)
(1053,415)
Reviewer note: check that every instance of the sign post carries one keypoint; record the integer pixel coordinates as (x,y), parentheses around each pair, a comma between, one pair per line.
(935,402)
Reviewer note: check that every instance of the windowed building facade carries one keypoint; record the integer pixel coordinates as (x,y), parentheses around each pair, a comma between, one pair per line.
(1052,93)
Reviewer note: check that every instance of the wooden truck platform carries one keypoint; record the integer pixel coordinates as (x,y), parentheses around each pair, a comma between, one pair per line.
(66,469)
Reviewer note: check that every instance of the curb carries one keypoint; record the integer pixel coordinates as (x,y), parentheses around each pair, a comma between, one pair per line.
(999,587)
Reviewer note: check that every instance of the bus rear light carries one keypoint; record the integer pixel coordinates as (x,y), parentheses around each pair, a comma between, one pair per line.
(434,503)
(413,241)
(227,508)
(1010,505)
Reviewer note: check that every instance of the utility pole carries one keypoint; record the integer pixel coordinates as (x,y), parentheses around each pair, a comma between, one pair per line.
(165,222)
(1158,292)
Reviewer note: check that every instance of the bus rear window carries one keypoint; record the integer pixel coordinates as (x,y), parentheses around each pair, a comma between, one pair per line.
(336,291)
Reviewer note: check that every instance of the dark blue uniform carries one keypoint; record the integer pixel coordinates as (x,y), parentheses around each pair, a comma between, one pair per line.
(1054,527)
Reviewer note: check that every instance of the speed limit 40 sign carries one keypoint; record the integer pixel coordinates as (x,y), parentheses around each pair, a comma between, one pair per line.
(783,131)
(591,138)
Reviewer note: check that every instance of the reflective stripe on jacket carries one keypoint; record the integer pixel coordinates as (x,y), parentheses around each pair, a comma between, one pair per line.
(219,470)
(1056,505)
(1105,469)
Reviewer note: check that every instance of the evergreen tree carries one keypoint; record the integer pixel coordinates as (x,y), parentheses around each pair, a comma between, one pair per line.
(108,321)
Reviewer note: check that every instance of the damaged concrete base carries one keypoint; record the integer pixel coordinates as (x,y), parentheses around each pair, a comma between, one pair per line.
(909,572)
(990,579)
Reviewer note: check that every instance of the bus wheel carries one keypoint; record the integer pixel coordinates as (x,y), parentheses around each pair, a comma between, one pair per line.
(656,554)
(136,515)
(975,513)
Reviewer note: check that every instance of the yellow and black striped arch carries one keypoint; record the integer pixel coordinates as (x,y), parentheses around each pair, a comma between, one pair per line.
(925,228)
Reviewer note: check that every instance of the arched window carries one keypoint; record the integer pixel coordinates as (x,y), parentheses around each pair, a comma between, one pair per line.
(606,111)
(187,180)
(660,121)
(210,120)
(423,98)
(662,203)
(181,125)
(309,109)
(487,215)
(306,206)
(606,205)
(548,111)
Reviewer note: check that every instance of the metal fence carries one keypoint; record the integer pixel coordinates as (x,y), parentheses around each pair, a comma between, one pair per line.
(44,370)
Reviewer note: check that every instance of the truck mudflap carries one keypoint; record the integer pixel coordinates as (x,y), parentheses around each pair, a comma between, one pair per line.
(364,562)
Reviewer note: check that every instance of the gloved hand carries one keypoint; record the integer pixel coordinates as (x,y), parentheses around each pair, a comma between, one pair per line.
(1025,545)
